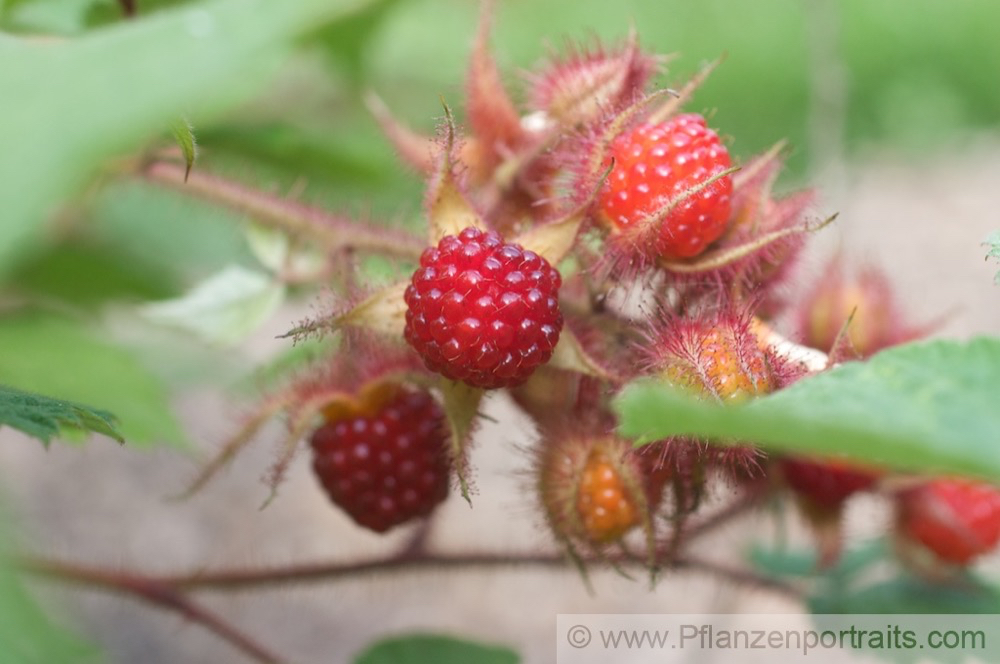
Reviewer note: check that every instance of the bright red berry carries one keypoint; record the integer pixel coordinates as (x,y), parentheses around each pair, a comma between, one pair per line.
(826,484)
(482,310)
(384,462)
(656,164)
(957,520)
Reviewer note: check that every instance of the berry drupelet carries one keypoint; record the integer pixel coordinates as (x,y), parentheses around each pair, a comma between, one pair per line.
(483,311)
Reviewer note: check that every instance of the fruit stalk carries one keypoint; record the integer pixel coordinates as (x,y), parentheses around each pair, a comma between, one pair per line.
(330,231)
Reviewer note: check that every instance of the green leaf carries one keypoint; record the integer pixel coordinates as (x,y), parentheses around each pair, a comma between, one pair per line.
(62,17)
(906,594)
(184,135)
(778,563)
(434,649)
(124,83)
(993,242)
(348,41)
(925,407)
(224,309)
(43,417)
(276,251)
(59,357)
(84,274)
(167,232)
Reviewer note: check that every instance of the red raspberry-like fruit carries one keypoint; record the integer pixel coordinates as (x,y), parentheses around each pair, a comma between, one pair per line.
(482,310)
(957,520)
(655,164)
(384,463)
(827,484)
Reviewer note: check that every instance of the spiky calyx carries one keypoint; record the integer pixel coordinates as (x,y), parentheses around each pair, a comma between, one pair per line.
(381,457)
(716,357)
(715,354)
(592,487)
(508,155)
(956,520)
(658,168)
(583,84)
(483,311)
(360,369)
(877,321)
(743,239)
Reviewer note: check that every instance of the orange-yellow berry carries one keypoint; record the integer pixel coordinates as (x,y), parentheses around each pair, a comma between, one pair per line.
(606,509)
(722,365)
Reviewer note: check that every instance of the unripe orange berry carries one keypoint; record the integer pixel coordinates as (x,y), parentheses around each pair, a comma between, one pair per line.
(720,362)
(606,509)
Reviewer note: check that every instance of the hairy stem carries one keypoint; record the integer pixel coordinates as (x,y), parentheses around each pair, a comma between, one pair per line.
(155,592)
(330,231)
(265,577)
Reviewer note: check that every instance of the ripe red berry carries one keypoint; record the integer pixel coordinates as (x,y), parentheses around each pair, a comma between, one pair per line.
(482,310)
(385,462)
(957,520)
(655,164)
(827,484)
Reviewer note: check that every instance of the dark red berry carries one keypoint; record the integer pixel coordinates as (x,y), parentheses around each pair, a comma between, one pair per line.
(656,164)
(957,520)
(826,484)
(386,463)
(482,310)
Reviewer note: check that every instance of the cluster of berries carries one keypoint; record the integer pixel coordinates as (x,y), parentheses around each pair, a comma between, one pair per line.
(537,223)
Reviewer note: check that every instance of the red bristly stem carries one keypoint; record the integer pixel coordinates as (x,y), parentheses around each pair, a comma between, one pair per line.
(329,231)
(170,591)
(155,592)
(155,587)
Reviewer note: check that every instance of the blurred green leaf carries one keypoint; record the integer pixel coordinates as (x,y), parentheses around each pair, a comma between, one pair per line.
(338,157)
(84,274)
(275,251)
(104,12)
(60,17)
(433,649)
(993,242)
(223,309)
(44,417)
(778,563)
(166,231)
(122,83)
(62,358)
(184,135)
(347,41)
(906,594)
(927,406)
